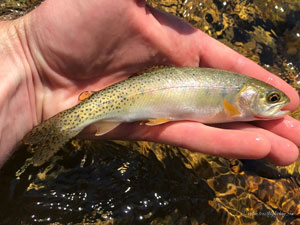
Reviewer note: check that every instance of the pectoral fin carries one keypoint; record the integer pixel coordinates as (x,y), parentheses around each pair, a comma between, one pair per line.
(230,109)
(105,127)
(157,121)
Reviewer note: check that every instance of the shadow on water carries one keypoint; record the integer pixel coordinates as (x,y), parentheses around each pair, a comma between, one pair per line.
(108,181)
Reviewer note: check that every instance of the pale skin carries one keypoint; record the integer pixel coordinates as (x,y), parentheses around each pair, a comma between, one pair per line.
(63,48)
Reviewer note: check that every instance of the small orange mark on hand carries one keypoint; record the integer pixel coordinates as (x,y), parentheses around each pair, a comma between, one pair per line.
(84,95)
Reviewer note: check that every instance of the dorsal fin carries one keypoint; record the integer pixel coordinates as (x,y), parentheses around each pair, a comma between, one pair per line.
(148,69)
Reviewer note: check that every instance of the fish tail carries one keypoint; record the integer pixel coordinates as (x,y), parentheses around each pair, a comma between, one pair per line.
(47,138)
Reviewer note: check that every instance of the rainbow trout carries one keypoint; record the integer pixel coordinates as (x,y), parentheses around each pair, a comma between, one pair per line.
(158,96)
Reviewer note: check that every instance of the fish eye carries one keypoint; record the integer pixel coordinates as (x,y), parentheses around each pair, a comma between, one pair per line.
(273,97)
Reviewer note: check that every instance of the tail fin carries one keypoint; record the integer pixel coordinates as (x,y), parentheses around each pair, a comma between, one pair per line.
(47,138)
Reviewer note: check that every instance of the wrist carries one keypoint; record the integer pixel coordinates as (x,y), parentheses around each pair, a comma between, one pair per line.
(17,111)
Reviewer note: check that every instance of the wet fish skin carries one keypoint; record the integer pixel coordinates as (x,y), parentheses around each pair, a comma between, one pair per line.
(170,93)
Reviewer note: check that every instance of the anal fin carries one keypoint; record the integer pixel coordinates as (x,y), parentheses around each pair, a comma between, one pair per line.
(157,121)
(105,127)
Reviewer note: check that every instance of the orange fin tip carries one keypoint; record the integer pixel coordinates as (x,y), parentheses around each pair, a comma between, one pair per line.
(260,117)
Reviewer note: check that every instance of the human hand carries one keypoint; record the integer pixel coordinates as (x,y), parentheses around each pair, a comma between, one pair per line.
(90,45)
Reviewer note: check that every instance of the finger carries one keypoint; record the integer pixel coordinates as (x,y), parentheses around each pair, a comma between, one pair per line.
(286,127)
(283,151)
(196,137)
(217,55)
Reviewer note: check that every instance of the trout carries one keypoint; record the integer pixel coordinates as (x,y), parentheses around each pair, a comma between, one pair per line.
(158,96)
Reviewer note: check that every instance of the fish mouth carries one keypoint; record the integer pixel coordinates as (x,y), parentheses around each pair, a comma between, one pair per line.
(280,114)
(275,115)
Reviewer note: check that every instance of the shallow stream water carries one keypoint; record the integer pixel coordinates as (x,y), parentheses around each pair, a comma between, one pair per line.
(106,182)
